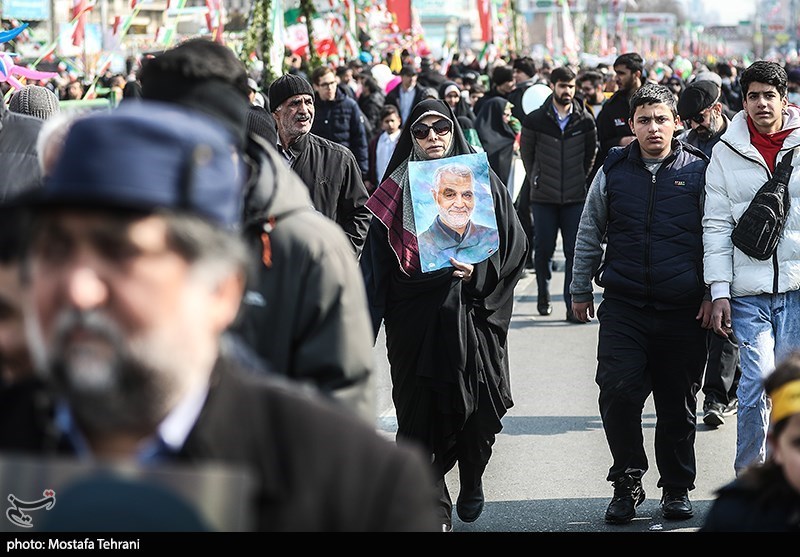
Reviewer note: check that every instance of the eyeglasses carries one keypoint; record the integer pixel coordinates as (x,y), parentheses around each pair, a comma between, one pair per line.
(327,84)
(699,118)
(441,127)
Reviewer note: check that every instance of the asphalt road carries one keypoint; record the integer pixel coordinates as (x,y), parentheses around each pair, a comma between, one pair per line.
(548,469)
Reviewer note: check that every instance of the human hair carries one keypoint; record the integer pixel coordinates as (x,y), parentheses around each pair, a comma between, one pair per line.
(341,71)
(762,71)
(594,77)
(12,236)
(631,60)
(651,93)
(51,139)
(319,72)
(388,110)
(563,74)
(526,65)
(197,60)
(205,245)
(787,370)
(455,169)
(368,83)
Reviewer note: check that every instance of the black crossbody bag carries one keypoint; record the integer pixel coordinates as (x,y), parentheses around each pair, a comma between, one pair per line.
(761,225)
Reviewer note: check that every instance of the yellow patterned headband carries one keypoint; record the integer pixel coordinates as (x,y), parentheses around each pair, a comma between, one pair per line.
(785,401)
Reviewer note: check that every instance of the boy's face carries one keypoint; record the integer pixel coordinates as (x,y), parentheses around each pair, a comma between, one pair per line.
(390,124)
(654,126)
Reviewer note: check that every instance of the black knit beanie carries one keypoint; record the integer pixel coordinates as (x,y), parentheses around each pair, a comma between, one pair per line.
(287,86)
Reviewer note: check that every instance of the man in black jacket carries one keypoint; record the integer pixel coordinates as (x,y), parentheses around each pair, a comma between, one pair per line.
(329,170)
(337,116)
(612,122)
(558,146)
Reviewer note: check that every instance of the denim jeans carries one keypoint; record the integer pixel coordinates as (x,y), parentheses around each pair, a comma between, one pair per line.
(768,329)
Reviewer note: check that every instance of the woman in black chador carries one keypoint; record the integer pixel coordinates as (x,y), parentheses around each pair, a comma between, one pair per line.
(446,330)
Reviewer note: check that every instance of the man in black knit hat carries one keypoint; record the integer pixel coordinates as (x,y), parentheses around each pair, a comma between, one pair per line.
(329,170)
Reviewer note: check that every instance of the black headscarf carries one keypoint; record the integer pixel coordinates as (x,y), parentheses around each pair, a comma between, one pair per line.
(496,136)
(462,108)
(391,202)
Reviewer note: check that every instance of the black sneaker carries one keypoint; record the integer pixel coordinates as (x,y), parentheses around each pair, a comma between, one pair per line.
(628,494)
(713,414)
(675,504)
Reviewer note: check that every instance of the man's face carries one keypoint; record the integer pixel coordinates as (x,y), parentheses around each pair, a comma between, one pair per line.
(711,123)
(390,124)
(294,117)
(15,361)
(626,80)
(506,88)
(564,92)
(764,106)
(121,323)
(455,199)
(520,76)
(326,87)
(592,94)
(408,81)
(654,126)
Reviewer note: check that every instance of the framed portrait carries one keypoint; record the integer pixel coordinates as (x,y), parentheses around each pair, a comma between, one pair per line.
(453,210)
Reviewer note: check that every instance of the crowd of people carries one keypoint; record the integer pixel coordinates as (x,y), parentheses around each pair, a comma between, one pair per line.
(220,303)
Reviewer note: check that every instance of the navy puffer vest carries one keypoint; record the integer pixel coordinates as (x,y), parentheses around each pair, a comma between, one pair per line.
(654,255)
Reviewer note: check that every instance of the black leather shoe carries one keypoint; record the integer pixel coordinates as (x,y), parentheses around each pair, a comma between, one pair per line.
(543,304)
(470,504)
(628,494)
(675,504)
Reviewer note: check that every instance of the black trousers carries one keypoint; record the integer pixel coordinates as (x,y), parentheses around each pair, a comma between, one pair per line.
(722,369)
(472,451)
(642,351)
(525,214)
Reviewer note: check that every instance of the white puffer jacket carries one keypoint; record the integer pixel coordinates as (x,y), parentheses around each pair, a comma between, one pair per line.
(736,172)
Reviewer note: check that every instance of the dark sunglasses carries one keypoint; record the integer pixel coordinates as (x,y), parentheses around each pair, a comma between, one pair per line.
(698,118)
(441,127)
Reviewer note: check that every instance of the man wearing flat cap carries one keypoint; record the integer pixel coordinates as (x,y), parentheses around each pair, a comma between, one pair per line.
(134,271)
(330,171)
(702,112)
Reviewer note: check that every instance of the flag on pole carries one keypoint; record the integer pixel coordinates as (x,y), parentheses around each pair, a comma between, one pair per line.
(485,18)
(78,15)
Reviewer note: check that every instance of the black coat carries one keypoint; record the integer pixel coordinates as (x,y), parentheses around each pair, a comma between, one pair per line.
(315,468)
(335,183)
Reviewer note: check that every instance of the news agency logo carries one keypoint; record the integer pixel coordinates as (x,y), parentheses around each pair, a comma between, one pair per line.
(16,515)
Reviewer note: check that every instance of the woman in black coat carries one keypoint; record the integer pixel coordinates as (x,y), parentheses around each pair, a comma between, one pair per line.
(446,330)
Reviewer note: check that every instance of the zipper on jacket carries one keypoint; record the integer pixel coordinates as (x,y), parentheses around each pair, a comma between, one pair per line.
(648,274)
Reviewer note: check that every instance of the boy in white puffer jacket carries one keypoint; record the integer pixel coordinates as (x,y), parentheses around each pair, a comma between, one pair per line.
(758,300)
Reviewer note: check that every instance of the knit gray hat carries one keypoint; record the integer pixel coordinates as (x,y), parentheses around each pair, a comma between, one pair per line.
(34,100)
(287,86)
